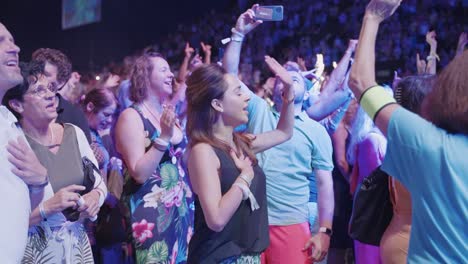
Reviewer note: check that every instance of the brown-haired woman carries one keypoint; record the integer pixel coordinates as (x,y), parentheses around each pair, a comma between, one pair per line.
(223,169)
(151,143)
(100,106)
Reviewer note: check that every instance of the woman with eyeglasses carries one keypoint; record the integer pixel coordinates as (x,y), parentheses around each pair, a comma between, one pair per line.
(56,233)
(151,142)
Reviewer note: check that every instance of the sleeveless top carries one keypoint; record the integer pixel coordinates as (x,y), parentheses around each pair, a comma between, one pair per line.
(245,233)
(160,211)
(64,167)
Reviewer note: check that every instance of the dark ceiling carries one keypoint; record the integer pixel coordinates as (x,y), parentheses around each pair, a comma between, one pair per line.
(126,26)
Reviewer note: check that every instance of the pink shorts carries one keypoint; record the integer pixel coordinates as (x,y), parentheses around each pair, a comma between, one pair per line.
(286,244)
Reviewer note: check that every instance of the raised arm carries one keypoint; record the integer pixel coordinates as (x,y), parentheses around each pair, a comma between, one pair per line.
(284,128)
(433,57)
(362,75)
(338,75)
(462,41)
(184,66)
(245,23)
(207,51)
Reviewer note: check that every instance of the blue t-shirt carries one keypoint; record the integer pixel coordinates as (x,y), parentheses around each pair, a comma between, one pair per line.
(289,166)
(433,165)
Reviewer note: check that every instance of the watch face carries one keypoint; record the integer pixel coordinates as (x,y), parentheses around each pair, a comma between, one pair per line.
(325,230)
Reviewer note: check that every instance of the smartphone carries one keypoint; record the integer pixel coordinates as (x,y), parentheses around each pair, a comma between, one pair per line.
(269,13)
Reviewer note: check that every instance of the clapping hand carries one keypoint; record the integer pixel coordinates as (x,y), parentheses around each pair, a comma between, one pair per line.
(167,122)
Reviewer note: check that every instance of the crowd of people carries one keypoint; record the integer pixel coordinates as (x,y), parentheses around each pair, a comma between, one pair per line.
(238,158)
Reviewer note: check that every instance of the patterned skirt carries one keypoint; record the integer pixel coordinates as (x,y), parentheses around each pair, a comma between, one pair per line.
(242,259)
(64,244)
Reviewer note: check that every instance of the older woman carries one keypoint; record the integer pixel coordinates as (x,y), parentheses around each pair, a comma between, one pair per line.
(428,156)
(55,236)
(152,143)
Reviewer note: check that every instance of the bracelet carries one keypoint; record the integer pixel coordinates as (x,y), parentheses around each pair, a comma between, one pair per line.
(236,32)
(160,144)
(375,99)
(433,57)
(244,189)
(246,179)
(247,194)
(36,188)
(42,211)
(161,141)
(286,100)
(236,35)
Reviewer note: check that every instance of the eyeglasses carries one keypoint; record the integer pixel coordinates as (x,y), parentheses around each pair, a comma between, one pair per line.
(41,90)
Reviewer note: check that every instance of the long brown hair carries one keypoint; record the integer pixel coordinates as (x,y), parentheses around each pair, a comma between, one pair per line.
(140,75)
(447,104)
(206,83)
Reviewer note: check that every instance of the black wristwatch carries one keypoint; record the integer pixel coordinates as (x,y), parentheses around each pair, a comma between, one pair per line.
(326,231)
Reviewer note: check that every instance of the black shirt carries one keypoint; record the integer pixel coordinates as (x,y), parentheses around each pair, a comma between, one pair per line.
(69,113)
(245,233)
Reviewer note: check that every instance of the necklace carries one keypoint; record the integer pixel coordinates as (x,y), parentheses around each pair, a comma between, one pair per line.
(151,112)
(52,139)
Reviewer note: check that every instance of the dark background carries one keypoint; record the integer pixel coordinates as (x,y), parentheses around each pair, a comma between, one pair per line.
(125,27)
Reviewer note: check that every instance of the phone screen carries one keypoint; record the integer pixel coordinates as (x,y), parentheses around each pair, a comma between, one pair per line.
(269,13)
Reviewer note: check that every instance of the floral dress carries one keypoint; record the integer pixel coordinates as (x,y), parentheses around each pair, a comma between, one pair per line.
(160,211)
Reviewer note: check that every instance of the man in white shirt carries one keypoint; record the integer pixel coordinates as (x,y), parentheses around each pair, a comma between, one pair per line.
(19,167)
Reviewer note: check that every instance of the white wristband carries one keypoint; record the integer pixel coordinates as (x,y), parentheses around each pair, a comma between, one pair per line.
(246,179)
(161,141)
(244,189)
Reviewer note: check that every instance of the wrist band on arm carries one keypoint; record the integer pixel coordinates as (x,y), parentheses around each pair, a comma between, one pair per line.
(42,211)
(246,179)
(236,35)
(375,99)
(247,194)
(160,144)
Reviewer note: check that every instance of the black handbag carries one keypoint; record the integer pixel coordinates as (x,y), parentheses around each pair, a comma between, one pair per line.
(70,213)
(372,209)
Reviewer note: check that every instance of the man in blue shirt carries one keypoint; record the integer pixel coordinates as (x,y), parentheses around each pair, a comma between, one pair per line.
(429,158)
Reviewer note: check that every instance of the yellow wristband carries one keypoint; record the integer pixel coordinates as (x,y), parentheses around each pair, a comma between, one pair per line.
(374,99)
